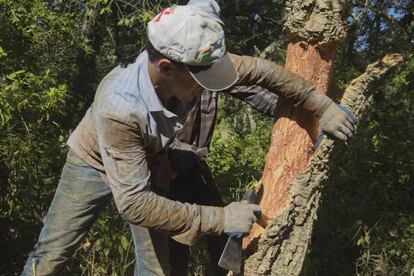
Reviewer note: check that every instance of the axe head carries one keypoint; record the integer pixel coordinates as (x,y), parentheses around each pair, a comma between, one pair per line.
(231,258)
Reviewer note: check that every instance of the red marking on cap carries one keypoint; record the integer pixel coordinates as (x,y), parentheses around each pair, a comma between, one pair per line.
(166,11)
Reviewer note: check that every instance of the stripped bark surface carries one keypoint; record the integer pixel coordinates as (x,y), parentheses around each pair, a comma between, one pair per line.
(282,247)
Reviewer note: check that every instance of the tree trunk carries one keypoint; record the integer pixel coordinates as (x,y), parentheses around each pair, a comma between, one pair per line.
(291,183)
(315,28)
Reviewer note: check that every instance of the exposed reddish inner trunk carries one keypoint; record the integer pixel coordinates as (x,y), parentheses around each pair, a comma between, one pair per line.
(293,133)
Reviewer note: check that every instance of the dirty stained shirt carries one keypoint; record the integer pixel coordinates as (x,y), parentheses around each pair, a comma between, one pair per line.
(127,125)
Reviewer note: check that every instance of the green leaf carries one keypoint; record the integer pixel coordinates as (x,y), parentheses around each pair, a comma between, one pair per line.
(2,52)
(124,242)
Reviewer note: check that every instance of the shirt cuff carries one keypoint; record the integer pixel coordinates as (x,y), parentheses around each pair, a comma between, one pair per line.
(209,222)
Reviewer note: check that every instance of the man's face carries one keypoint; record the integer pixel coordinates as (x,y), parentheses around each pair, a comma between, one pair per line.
(174,80)
(182,85)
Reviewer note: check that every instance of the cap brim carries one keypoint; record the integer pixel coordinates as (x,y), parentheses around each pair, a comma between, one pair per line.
(219,76)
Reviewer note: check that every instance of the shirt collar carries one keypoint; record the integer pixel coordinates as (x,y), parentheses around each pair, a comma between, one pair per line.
(148,94)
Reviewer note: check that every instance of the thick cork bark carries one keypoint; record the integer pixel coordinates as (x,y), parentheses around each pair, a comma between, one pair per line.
(282,247)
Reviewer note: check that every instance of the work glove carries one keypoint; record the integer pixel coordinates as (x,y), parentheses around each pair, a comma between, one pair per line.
(239,218)
(337,121)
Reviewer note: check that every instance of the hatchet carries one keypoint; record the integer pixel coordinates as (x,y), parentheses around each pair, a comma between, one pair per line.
(231,258)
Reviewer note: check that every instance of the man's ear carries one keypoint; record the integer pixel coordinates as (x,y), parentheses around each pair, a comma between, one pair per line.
(165,66)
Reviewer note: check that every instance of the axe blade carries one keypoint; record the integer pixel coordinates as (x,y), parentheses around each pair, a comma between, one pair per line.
(231,258)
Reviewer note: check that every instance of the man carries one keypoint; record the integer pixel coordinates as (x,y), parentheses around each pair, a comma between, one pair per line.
(136,112)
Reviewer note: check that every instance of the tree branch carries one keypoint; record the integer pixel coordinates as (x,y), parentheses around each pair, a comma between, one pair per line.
(282,248)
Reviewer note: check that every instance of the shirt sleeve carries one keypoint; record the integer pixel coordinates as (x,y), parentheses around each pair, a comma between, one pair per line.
(126,168)
(275,78)
(260,98)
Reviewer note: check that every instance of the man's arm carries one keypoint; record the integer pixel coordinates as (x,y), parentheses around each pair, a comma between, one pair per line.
(126,167)
(267,74)
(264,73)
(127,170)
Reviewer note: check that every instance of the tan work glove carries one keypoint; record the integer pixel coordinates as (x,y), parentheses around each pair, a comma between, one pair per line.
(338,121)
(239,218)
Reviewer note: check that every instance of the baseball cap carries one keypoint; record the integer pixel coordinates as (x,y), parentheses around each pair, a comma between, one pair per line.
(189,35)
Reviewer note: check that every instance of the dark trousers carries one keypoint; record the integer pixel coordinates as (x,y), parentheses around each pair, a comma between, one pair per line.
(195,185)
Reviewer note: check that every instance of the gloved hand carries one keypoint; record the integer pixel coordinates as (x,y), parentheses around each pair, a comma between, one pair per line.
(338,121)
(239,218)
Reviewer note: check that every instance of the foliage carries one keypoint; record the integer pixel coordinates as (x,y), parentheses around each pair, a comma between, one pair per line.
(251,26)
(238,150)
